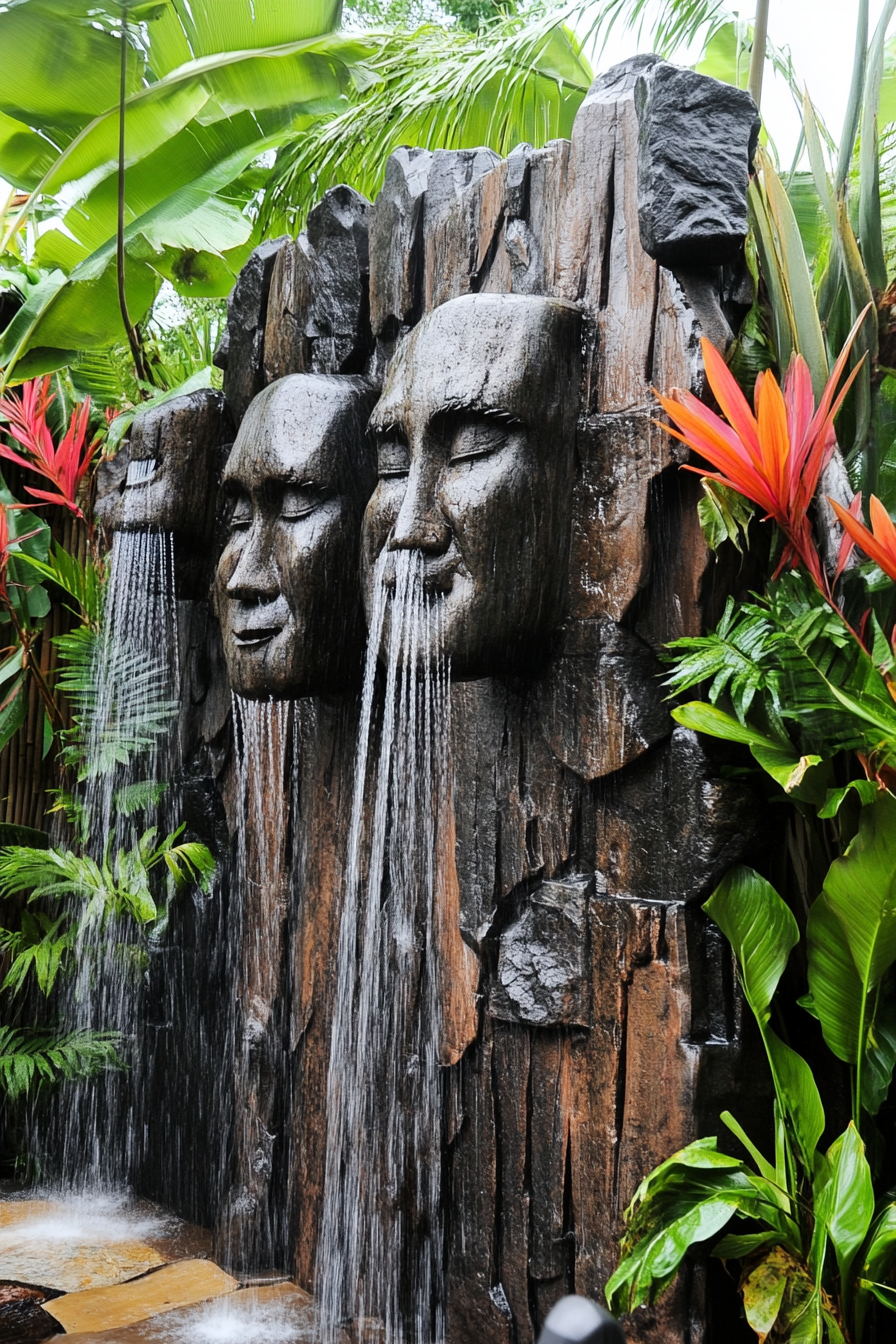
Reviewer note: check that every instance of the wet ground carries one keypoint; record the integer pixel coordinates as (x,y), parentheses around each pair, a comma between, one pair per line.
(103,1268)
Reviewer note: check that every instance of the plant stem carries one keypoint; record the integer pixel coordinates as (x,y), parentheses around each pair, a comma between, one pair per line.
(133,341)
(757,55)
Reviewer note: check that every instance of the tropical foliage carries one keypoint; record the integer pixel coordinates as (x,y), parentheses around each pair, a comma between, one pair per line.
(816,1243)
(803,676)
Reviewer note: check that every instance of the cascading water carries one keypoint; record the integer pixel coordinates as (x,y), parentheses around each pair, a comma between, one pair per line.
(96,1132)
(381,1250)
(253,1224)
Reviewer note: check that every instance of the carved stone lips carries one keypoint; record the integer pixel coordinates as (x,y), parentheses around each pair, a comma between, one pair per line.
(251,637)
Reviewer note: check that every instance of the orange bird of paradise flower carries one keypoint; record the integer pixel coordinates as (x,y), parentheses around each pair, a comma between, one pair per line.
(774,455)
(878,542)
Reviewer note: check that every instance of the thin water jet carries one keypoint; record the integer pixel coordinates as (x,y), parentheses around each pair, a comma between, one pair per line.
(381,1250)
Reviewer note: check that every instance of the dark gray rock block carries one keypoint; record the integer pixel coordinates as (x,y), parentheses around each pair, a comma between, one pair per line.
(396,243)
(543,959)
(318,313)
(696,141)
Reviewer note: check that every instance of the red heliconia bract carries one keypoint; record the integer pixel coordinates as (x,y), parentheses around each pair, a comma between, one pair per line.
(878,542)
(64,466)
(775,456)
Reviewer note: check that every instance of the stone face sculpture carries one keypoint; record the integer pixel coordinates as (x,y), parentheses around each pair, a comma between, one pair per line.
(476,445)
(286,586)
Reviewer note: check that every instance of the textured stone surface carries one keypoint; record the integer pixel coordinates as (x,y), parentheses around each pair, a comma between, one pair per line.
(396,243)
(186,440)
(670,827)
(280,1312)
(695,145)
(542,973)
(583,1040)
(241,352)
(43,1242)
(318,313)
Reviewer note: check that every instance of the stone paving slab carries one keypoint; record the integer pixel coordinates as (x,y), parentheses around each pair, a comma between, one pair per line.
(30,1252)
(115,1308)
(280,1314)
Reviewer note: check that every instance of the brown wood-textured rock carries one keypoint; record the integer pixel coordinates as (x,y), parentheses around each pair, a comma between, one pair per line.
(241,352)
(318,313)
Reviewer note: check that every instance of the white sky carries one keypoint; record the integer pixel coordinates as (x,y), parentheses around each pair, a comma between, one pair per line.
(821,37)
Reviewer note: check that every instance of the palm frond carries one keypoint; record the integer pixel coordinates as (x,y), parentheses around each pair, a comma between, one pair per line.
(29,1057)
(737,659)
(518,79)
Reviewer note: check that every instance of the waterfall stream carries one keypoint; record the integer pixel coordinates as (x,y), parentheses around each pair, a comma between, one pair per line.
(96,1133)
(381,1249)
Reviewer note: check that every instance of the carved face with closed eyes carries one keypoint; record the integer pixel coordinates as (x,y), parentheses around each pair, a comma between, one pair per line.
(476,449)
(286,588)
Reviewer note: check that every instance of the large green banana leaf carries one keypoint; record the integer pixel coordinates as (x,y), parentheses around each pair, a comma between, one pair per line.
(209,87)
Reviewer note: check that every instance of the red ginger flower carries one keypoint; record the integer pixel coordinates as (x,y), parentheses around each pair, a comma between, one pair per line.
(774,457)
(65,466)
(879,544)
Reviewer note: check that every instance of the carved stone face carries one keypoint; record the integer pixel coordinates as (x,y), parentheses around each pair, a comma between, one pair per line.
(286,588)
(476,444)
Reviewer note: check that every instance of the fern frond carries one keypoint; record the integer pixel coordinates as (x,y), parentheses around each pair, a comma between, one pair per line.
(39,947)
(29,1057)
(737,659)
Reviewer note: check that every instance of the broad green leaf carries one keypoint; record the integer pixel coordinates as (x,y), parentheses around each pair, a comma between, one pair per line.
(845,1200)
(763,1290)
(876,1264)
(86,314)
(862,889)
(866,789)
(25,155)
(834,982)
(727,55)
(734,1247)
(777,760)
(12,712)
(701,1155)
(20,331)
(800,1096)
(724,515)
(644,1273)
(879,1059)
(58,74)
(761,930)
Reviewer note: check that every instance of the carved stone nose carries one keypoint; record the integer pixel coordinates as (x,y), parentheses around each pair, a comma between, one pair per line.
(421,534)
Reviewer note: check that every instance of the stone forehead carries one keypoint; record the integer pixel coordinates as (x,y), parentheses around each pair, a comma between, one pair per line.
(295,417)
(499,351)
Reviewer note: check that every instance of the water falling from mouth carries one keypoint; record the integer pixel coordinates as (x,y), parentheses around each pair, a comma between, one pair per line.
(381,1249)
